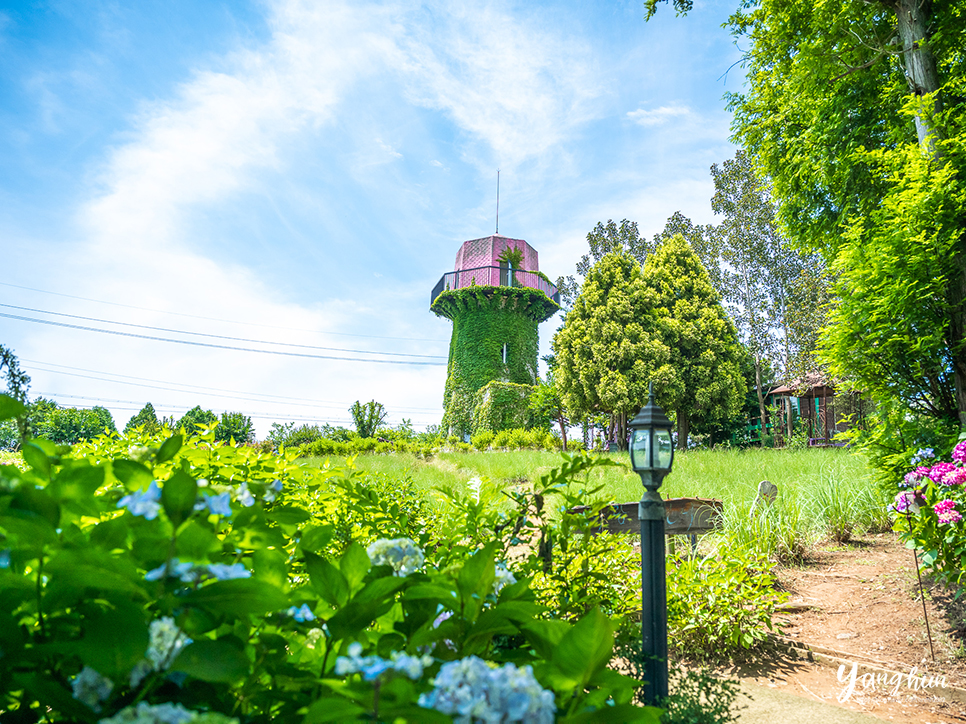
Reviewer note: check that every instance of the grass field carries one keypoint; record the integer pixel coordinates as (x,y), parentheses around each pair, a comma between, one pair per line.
(822,493)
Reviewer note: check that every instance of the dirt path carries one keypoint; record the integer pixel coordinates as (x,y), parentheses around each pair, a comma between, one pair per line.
(862,599)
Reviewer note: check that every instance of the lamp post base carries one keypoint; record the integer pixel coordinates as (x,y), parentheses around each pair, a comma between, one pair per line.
(653,598)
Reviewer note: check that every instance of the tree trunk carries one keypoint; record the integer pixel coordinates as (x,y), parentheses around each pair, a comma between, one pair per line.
(761,398)
(684,428)
(913,18)
(563,432)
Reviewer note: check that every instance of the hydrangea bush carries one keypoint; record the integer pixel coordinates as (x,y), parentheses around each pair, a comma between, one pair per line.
(164,580)
(928,509)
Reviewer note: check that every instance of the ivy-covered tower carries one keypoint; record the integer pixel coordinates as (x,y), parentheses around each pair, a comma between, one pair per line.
(495,297)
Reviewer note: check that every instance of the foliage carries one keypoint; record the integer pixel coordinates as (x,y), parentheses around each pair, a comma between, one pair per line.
(157,571)
(502,406)
(607,349)
(700,377)
(605,239)
(235,426)
(146,418)
(196,418)
(512,255)
(928,508)
(69,425)
(18,385)
(367,417)
(546,403)
(866,152)
(490,324)
(704,239)
(767,286)
(721,604)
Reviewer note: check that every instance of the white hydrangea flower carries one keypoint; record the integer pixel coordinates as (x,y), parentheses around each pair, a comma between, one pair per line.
(167,640)
(402,554)
(91,688)
(471,691)
(145,713)
(313,637)
(503,578)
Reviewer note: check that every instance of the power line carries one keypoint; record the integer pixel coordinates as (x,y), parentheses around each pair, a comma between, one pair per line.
(219,336)
(219,346)
(215,319)
(198,389)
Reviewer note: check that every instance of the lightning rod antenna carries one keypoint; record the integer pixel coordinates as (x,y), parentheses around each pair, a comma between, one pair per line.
(498,202)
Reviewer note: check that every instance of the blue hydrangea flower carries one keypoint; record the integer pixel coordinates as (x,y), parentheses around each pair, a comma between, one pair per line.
(91,688)
(143,502)
(218,504)
(272,492)
(226,572)
(301,614)
(174,569)
(244,496)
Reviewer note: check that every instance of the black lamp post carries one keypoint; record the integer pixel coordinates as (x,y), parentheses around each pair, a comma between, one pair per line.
(652,452)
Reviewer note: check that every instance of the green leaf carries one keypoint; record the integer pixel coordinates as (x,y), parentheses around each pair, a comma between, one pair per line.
(327,580)
(316,538)
(218,662)
(178,496)
(114,639)
(195,541)
(586,648)
(332,708)
(36,458)
(239,597)
(169,448)
(10,407)
(132,474)
(272,566)
(354,565)
(288,515)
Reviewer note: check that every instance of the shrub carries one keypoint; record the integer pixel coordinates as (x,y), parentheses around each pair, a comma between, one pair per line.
(481,440)
(721,604)
(255,596)
(502,439)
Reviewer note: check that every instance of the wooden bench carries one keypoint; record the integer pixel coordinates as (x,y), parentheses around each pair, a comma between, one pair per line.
(684,516)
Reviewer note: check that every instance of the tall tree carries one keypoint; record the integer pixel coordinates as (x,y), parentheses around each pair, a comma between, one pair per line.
(235,426)
(194,417)
(367,417)
(704,239)
(18,385)
(606,349)
(701,379)
(146,418)
(854,109)
(604,239)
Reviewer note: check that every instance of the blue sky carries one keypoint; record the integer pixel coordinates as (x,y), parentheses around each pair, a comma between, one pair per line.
(304,172)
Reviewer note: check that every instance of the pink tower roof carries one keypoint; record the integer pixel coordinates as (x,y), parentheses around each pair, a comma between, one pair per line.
(485,252)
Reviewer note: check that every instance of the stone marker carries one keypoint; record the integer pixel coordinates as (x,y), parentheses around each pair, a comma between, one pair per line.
(767,492)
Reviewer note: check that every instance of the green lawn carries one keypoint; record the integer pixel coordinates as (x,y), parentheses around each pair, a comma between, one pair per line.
(823,493)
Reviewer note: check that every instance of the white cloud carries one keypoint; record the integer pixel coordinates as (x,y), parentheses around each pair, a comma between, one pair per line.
(658,116)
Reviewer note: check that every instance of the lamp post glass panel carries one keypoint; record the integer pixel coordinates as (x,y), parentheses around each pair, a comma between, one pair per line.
(652,453)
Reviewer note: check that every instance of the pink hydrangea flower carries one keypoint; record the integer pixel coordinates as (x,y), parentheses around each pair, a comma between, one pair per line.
(956,476)
(905,502)
(946,511)
(959,452)
(937,471)
(911,478)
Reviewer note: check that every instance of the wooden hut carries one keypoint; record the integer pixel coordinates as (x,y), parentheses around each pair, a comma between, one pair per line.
(812,399)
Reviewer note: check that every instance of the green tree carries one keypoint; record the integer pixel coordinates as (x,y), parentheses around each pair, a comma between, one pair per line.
(701,378)
(70,425)
(604,239)
(855,110)
(606,349)
(546,401)
(704,239)
(18,385)
(147,418)
(194,417)
(367,417)
(235,426)
(766,284)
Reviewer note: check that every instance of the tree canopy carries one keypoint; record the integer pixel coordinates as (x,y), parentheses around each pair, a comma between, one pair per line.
(146,418)
(606,349)
(701,379)
(855,110)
